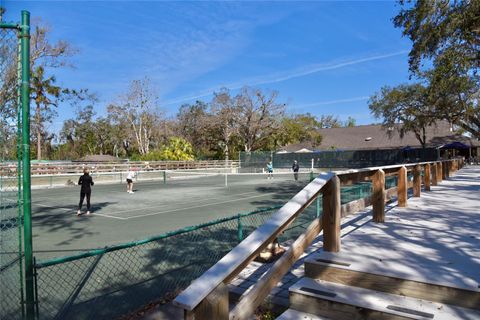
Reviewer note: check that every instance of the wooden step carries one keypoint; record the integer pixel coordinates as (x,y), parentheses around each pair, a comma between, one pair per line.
(377,275)
(291,314)
(342,302)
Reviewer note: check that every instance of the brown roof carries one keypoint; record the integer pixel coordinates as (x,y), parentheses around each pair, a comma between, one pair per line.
(378,137)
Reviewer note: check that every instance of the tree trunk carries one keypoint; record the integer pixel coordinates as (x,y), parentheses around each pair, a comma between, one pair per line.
(39,132)
(39,144)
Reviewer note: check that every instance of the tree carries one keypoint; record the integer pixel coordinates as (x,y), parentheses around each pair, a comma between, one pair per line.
(105,137)
(177,149)
(454,94)
(445,38)
(350,122)
(44,92)
(45,95)
(226,117)
(330,121)
(435,27)
(8,92)
(194,124)
(259,117)
(406,108)
(137,111)
(298,128)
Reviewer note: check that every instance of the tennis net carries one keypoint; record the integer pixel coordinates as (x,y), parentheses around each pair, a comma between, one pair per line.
(226,179)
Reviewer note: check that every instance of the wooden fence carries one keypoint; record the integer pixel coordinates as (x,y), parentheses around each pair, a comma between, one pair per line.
(77,167)
(207,297)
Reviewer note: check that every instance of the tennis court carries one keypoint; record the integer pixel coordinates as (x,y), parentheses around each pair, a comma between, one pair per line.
(117,280)
(157,206)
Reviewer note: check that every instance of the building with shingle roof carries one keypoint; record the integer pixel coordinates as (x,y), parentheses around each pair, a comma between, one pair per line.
(377,137)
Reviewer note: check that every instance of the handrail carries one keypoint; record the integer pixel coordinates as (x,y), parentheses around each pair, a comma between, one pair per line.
(232,263)
(205,297)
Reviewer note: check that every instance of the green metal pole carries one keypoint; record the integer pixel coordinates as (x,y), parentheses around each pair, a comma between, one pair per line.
(27,205)
(239,228)
(19,171)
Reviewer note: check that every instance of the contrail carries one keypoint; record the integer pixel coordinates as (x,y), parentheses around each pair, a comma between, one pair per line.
(291,74)
(324,103)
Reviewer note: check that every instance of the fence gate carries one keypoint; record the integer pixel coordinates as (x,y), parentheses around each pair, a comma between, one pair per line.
(16,265)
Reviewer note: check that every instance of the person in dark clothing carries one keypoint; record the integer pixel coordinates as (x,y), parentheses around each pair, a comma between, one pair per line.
(295,168)
(85,182)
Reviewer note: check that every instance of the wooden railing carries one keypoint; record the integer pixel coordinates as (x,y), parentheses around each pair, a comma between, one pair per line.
(207,297)
(77,167)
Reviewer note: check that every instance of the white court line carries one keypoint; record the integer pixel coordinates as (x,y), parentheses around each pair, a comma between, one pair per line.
(200,200)
(141,209)
(108,216)
(161,212)
(194,207)
(70,209)
(101,192)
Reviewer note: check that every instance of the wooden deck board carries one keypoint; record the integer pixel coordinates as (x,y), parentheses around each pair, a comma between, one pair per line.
(317,296)
(435,239)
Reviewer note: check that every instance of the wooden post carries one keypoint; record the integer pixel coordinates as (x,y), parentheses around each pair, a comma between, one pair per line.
(331,215)
(260,290)
(427,176)
(434,174)
(378,196)
(417,182)
(214,306)
(402,187)
(445,169)
(440,171)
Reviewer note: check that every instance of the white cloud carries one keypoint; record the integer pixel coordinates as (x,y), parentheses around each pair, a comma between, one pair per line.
(286,75)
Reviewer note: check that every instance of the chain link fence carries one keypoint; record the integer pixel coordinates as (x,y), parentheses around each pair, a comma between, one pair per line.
(11,214)
(350,159)
(109,283)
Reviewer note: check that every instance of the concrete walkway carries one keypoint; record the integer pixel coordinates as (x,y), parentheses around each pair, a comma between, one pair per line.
(435,239)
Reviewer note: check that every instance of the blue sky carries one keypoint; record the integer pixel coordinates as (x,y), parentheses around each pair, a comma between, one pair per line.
(322,57)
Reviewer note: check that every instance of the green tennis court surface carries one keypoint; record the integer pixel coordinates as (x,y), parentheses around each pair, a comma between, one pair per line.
(154,208)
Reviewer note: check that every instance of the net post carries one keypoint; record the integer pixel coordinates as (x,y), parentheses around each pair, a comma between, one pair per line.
(27,205)
(164,176)
(239,228)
